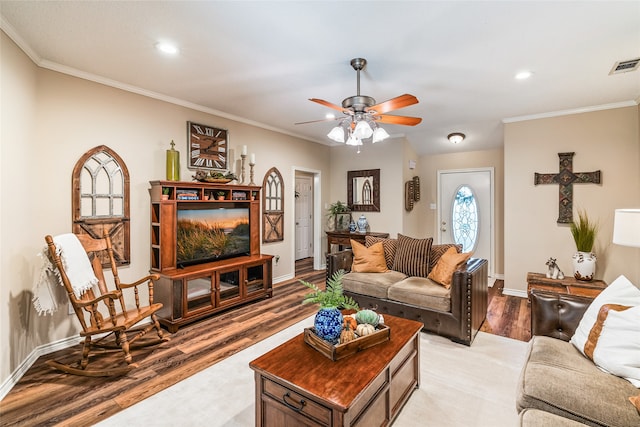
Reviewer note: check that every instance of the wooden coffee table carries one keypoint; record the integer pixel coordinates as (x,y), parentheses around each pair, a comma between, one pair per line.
(298,386)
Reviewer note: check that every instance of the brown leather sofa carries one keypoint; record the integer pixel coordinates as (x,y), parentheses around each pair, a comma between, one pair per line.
(559,386)
(459,319)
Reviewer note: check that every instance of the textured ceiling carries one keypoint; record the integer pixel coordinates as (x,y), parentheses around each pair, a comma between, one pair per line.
(260,61)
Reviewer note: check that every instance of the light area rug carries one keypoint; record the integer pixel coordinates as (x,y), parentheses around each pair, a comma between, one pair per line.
(459,386)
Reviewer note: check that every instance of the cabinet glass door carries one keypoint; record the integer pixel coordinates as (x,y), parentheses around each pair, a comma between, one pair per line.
(199,293)
(229,285)
(255,279)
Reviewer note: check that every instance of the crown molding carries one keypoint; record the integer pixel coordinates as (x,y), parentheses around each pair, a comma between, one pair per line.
(572,111)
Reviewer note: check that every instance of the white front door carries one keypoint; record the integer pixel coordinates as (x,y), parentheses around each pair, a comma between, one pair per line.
(465,214)
(303,217)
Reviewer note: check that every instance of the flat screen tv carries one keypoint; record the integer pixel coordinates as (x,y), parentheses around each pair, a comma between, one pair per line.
(209,232)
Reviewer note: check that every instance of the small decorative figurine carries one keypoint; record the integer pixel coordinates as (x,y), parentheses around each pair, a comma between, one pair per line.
(554,271)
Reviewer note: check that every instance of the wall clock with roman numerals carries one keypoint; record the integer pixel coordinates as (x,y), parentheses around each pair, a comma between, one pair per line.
(208,146)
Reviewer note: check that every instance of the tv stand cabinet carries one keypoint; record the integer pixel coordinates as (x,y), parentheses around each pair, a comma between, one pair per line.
(193,292)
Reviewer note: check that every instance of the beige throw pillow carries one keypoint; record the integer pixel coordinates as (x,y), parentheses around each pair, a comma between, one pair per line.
(368,260)
(449,262)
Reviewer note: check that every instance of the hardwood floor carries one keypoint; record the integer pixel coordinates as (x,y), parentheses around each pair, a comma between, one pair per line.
(507,316)
(45,397)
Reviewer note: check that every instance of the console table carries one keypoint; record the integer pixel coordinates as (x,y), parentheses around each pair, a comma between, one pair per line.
(298,386)
(568,285)
(343,238)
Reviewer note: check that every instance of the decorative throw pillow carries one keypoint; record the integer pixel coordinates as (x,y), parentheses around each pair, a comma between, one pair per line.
(621,292)
(368,260)
(389,245)
(449,262)
(635,400)
(614,342)
(412,256)
(438,250)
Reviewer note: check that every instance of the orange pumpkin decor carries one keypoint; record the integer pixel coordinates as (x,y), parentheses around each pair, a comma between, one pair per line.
(350,321)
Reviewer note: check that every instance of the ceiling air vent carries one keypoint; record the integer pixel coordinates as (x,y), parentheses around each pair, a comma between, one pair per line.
(625,66)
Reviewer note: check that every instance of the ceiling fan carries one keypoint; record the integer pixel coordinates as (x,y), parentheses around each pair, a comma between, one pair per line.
(362,114)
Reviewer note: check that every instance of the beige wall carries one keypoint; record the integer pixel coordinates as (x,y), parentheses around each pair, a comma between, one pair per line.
(386,156)
(606,140)
(429,167)
(48,121)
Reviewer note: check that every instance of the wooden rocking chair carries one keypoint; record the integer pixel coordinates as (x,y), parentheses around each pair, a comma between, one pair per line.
(118,322)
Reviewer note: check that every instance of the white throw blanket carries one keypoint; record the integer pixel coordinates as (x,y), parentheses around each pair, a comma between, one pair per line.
(76,265)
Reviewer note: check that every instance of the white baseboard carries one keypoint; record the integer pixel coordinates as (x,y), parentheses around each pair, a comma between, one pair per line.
(41,350)
(515,292)
(283,278)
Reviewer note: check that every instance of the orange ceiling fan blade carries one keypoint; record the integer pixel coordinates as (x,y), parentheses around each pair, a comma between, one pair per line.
(394,104)
(327,104)
(398,120)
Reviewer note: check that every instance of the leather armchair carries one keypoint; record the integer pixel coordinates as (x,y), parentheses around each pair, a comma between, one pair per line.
(556,315)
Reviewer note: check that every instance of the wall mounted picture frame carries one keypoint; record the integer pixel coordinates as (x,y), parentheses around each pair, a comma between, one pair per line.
(207,147)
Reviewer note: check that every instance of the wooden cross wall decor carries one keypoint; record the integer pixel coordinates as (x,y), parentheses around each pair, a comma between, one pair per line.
(565,178)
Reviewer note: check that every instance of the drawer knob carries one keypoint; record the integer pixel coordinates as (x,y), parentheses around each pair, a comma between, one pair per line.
(298,405)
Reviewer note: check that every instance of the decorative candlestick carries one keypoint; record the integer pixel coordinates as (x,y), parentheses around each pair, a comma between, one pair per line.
(242,156)
(251,165)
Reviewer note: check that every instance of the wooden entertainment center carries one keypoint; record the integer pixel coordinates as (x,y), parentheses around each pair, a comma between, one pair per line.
(191,292)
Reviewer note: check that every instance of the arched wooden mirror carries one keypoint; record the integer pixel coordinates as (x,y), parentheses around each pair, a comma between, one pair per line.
(363,190)
(100,199)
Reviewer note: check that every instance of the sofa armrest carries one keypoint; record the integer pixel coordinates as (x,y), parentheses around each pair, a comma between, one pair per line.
(339,261)
(469,295)
(556,315)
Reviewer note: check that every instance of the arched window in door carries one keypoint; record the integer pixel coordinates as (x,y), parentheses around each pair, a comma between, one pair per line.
(272,207)
(100,200)
(465,219)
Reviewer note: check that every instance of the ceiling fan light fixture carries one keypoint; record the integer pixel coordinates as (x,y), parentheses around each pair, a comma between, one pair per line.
(336,134)
(456,137)
(379,135)
(363,130)
(353,140)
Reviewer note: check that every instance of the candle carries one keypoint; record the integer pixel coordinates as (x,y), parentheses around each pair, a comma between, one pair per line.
(253,158)
(244,150)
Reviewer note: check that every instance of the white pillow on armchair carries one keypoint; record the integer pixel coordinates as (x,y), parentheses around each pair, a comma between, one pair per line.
(614,344)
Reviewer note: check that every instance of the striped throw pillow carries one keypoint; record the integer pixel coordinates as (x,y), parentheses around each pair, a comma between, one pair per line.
(412,256)
(389,245)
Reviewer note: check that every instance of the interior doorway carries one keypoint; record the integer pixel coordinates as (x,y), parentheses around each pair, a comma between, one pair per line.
(311,207)
(304,215)
(465,211)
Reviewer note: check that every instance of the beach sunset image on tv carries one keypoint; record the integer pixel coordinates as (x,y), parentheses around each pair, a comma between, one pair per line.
(211,233)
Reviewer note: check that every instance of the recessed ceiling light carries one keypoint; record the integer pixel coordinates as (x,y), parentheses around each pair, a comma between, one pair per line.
(330,116)
(166,47)
(523,75)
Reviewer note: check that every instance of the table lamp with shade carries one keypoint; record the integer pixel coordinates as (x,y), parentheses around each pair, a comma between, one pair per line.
(626,227)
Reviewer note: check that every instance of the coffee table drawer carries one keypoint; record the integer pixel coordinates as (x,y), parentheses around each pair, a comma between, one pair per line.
(296,402)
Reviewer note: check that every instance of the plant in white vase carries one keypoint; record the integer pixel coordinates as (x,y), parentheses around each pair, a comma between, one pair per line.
(584,233)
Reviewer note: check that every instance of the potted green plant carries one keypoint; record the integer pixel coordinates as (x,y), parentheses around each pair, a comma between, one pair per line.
(584,232)
(340,214)
(328,320)
(221,195)
(165,193)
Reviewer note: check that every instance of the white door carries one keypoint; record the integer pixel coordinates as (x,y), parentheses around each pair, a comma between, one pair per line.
(465,214)
(304,217)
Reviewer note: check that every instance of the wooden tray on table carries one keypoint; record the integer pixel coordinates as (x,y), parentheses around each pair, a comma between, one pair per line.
(340,351)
